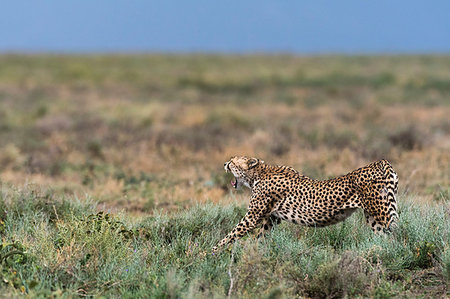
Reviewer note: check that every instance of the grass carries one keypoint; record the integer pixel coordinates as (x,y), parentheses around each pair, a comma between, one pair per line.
(112,179)
(65,247)
(80,123)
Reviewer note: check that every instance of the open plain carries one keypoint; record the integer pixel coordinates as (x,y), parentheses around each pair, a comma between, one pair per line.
(112,181)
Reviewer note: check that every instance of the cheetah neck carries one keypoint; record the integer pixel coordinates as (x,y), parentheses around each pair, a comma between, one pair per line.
(256,174)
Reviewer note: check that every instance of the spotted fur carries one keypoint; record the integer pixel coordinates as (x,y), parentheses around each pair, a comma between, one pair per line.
(282,193)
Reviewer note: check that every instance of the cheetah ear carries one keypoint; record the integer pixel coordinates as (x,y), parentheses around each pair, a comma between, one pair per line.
(253,162)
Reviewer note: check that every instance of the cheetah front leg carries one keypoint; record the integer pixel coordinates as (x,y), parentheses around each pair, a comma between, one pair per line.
(257,211)
(267,225)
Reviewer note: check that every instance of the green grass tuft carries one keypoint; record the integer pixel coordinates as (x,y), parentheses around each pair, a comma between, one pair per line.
(64,247)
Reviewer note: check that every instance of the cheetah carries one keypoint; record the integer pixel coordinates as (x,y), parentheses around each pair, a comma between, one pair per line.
(282,193)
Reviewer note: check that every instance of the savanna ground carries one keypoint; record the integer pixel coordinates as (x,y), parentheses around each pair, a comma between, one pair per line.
(112,181)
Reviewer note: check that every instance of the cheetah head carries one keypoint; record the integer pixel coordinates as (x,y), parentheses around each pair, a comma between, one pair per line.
(243,170)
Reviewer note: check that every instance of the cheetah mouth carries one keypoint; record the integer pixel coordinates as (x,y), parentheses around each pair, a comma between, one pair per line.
(234,183)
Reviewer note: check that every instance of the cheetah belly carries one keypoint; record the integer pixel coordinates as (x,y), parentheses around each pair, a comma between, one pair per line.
(338,216)
(301,212)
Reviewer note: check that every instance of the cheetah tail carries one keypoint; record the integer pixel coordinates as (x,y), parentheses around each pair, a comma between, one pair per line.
(391,178)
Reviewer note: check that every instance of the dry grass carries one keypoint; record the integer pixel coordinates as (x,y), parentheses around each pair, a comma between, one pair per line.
(152,132)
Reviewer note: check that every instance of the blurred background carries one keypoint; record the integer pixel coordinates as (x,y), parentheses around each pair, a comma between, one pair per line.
(138,104)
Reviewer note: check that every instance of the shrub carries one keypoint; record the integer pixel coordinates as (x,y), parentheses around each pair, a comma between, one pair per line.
(348,276)
(408,138)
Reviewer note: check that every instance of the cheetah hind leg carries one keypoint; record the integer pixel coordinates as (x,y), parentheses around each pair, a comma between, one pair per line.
(267,225)
(381,210)
(376,224)
(373,223)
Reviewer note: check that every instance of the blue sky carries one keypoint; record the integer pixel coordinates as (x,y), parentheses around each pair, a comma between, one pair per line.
(352,27)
